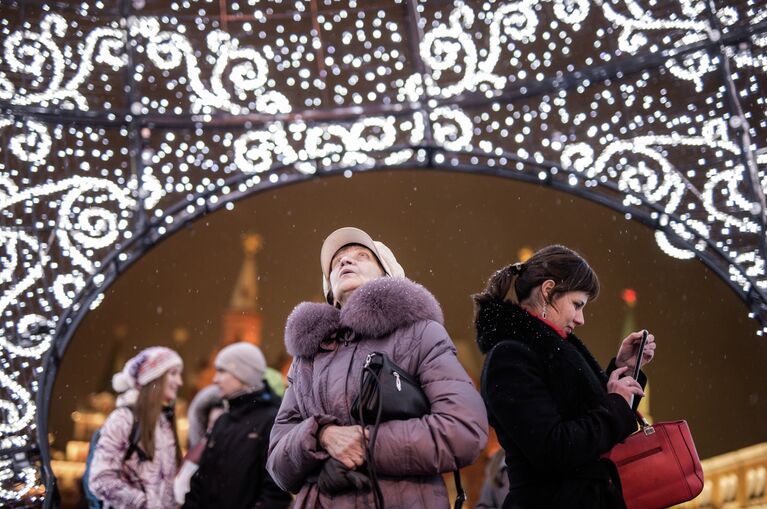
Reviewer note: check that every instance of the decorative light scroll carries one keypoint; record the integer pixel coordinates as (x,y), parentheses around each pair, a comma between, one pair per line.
(27,52)
(116,129)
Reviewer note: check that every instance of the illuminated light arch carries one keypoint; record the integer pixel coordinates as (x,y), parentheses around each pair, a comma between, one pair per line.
(119,126)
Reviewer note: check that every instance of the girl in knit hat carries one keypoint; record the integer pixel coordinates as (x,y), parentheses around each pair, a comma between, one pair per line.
(138,453)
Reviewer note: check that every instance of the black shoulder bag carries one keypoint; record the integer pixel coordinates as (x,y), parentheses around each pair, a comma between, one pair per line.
(388,392)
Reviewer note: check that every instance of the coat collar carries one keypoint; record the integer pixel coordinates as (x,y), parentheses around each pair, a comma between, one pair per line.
(499,320)
(375,309)
(244,403)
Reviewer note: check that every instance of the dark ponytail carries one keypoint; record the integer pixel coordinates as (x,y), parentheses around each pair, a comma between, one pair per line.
(569,271)
(499,284)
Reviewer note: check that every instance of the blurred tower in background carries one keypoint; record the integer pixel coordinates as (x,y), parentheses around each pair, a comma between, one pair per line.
(242,321)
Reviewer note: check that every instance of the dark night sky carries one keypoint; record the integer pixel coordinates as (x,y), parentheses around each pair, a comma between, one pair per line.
(450,232)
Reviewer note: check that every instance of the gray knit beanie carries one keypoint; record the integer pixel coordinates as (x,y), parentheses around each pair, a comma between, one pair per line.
(245,361)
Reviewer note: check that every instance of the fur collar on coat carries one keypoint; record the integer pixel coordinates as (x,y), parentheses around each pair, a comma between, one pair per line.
(375,309)
(499,320)
(502,320)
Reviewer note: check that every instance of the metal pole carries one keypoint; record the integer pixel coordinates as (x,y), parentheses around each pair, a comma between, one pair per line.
(422,106)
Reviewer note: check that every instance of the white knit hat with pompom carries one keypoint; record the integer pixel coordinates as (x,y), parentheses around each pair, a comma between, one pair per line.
(148,365)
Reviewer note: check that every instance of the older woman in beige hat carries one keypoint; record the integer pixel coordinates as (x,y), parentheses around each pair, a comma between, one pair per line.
(371,307)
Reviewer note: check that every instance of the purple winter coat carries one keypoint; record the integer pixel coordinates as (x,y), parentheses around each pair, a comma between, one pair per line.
(403,320)
(133,484)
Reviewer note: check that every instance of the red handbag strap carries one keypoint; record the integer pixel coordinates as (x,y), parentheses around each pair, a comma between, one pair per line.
(643,423)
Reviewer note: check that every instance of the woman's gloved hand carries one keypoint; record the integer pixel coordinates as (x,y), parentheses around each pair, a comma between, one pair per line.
(336,478)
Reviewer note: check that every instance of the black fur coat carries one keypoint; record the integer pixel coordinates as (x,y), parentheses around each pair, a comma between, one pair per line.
(546,398)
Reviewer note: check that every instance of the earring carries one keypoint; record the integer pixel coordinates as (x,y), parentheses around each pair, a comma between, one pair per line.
(545,308)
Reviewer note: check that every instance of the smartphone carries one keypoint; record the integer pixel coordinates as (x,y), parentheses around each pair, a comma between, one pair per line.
(640,351)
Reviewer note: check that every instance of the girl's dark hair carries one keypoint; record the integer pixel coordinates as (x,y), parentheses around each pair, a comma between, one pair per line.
(148,409)
(565,267)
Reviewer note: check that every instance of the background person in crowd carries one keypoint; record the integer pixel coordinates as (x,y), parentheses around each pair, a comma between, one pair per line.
(137,454)
(232,471)
(126,397)
(554,409)
(371,307)
(206,406)
(496,484)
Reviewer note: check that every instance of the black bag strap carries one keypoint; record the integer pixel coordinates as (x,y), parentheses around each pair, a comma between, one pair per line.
(460,496)
(134,439)
(369,446)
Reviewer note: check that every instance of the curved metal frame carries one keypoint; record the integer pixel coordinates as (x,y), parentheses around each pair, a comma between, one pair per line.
(428,154)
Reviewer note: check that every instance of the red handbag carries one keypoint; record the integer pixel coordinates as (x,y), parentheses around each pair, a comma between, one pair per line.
(658,465)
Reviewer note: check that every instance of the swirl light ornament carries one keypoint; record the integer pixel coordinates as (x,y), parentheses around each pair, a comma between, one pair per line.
(123,121)
(38,54)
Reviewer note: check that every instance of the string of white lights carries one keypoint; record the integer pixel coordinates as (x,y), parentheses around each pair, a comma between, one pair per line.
(28,479)
(167,50)
(33,53)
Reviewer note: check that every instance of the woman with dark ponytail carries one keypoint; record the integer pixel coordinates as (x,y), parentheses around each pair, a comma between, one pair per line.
(553,407)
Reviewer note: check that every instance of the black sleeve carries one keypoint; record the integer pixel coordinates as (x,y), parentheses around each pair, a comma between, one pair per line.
(197,485)
(192,499)
(523,406)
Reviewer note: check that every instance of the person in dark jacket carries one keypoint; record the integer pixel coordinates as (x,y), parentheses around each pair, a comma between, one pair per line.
(371,307)
(206,406)
(232,471)
(554,409)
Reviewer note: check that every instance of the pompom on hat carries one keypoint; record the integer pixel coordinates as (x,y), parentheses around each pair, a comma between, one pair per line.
(350,235)
(148,365)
